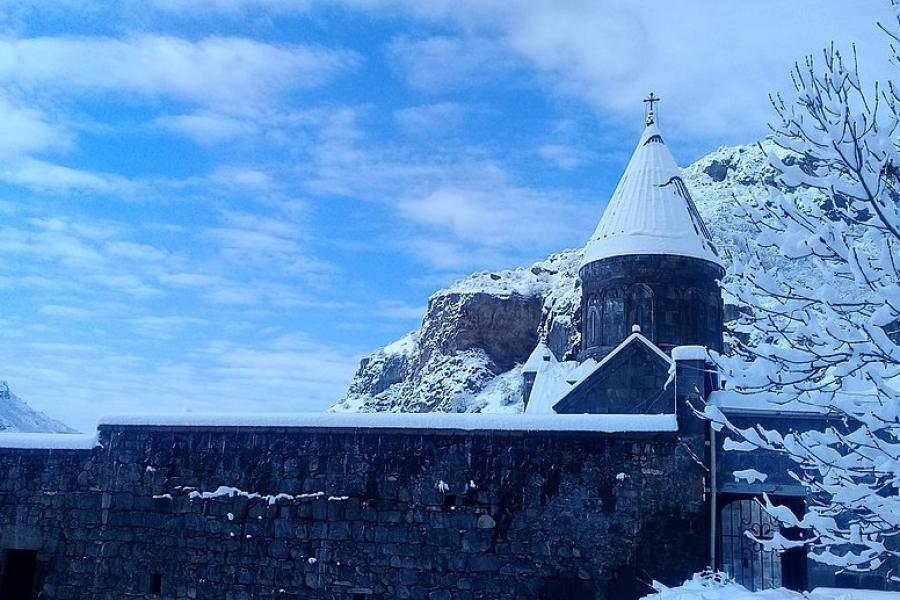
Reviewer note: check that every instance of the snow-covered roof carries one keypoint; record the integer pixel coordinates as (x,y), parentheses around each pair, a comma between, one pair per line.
(651,210)
(731,401)
(584,373)
(608,423)
(555,380)
(550,385)
(539,356)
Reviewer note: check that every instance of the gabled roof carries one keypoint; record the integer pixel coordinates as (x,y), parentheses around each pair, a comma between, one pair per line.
(651,211)
(539,355)
(584,374)
(555,380)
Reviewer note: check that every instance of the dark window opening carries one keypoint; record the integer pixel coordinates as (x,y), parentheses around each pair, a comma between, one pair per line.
(613,318)
(360,596)
(641,310)
(449,501)
(156,583)
(19,568)
(593,322)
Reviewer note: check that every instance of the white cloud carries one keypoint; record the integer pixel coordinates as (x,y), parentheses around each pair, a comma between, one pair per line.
(45,176)
(431,119)
(226,72)
(25,129)
(442,63)
(232,7)
(241,177)
(712,62)
(502,217)
(209,128)
(449,199)
(565,156)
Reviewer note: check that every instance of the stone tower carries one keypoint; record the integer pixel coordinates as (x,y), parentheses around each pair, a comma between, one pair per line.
(651,261)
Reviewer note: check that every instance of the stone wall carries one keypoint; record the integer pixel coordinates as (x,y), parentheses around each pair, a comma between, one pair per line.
(357,514)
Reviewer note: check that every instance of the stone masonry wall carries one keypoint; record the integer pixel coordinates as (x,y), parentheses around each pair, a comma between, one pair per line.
(356,514)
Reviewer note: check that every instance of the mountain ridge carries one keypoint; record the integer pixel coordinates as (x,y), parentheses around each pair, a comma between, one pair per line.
(17,417)
(467,354)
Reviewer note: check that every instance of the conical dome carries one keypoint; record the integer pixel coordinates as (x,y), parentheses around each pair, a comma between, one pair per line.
(651,211)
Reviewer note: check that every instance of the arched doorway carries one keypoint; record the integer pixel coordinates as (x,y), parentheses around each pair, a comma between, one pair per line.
(743,558)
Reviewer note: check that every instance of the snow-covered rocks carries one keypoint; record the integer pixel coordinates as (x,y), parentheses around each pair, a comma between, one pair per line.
(17,416)
(467,355)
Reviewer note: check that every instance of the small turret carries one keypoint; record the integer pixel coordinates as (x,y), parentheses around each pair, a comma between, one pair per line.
(539,356)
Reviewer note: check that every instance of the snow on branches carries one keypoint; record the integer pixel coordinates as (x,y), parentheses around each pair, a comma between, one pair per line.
(829,338)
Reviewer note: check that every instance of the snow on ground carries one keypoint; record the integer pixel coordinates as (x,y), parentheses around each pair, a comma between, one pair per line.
(717,586)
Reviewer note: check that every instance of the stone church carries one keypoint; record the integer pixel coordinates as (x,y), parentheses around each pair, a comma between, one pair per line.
(606,482)
(649,281)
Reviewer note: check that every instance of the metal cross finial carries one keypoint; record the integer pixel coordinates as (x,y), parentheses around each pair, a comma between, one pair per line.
(650,101)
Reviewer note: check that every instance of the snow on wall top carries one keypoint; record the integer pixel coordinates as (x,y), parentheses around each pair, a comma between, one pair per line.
(48,441)
(689,353)
(651,210)
(607,423)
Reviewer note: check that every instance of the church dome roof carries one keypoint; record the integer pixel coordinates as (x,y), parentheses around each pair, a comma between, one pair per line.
(651,211)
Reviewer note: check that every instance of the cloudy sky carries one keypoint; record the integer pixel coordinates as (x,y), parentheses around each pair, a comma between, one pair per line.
(223,204)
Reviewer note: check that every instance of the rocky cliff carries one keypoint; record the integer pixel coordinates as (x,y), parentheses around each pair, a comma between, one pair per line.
(17,416)
(467,354)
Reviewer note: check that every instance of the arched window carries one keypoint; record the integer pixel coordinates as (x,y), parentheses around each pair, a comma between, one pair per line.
(592,329)
(744,559)
(640,311)
(613,318)
(712,313)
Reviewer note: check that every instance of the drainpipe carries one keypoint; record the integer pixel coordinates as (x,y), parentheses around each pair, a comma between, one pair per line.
(713,484)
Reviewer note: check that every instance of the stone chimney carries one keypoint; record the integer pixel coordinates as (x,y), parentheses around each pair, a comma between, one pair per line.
(695,379)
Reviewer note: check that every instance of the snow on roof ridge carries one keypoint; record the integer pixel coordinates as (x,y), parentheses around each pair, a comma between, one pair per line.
(538,356)
(606,423)
(583,375)
(651,210)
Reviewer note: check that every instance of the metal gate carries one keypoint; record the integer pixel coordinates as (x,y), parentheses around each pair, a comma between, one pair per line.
(744,559)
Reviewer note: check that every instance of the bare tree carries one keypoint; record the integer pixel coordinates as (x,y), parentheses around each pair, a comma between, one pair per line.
(824,332)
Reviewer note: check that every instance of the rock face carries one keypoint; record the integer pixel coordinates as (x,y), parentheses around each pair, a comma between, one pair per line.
(467,354)
(17,416)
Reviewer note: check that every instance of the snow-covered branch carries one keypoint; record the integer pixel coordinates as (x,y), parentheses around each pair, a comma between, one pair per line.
(829,337)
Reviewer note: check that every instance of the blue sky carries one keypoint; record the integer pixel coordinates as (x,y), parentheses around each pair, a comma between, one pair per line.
(223,204)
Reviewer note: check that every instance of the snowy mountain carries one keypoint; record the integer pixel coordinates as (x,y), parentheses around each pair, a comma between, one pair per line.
(17,416)
(467,355)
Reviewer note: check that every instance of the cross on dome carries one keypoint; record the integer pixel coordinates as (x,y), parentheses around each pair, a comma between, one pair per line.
(650,101)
